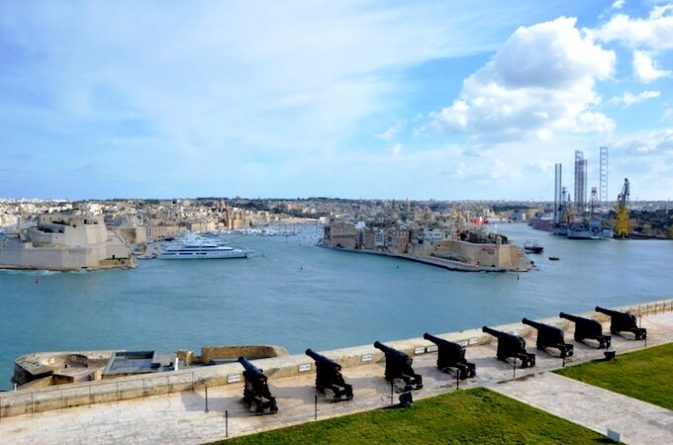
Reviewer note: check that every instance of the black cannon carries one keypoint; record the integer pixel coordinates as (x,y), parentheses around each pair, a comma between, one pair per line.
(622,321)
(510,345)
(452,355)
(328,378)
(588,328)
(550,337)
(256,392)
(398,367)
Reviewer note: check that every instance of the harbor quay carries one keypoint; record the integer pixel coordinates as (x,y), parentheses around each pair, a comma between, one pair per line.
(204,404)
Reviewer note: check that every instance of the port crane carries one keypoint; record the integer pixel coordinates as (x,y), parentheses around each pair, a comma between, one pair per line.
(622,223)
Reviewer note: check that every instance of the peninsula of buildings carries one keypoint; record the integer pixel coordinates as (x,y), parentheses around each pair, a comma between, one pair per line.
(443,240)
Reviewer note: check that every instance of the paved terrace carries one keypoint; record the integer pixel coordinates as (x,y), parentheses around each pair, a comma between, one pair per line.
(598,409)
(180,417)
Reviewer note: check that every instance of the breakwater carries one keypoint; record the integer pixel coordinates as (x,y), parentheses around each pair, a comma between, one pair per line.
(64,396)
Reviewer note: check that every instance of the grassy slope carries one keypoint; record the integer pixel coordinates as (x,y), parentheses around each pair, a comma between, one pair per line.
(473,416)
(644,375)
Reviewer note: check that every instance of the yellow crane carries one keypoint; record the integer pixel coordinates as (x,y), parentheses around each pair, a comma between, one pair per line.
(622,223)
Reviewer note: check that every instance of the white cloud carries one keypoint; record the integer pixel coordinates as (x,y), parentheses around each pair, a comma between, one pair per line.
(627,99)
(645,69)
(655,31)
(392,131)
(655,142)
(540,81)
(668,114)
(618,4)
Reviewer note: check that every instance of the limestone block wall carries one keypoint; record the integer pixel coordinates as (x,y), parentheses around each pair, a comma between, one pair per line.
(209,353)
(85,235)
(42,239)
(134,235)
(53,258)
(115,248)
(202,226)
(155,232)
(500,255)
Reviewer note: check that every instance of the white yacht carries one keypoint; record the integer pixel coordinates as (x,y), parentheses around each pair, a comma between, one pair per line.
(200,251)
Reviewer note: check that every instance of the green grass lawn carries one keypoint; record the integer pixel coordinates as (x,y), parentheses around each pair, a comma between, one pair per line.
(475,416)
(645,375)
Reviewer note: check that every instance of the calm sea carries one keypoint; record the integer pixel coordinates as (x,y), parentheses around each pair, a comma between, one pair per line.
(294,294)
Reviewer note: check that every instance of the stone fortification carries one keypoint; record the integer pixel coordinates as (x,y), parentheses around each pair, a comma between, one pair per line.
(507,256)
(463,250)
(65,243)
(63,396)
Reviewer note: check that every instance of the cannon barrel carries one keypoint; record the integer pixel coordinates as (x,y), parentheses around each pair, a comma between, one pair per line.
(435,340)
(505,337)
(545,328)
(581,320)
(252,370)
(393,354)
(572,318)
(495,333)
(535,324)
(610,312)
(386,349)
(322,359)
(447,348)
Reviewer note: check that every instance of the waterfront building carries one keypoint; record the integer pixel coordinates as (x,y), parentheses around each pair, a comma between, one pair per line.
(66,243)
(341,234)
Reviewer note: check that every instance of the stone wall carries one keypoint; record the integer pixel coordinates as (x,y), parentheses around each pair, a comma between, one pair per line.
(53,258)
(499,255)
(209,353)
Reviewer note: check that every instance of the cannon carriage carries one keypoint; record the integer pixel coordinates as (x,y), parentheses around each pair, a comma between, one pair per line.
(511,346)
(450,356)
(550,337)
(587,328)
(329,380)
(256,392)
(398,368)
(623,322)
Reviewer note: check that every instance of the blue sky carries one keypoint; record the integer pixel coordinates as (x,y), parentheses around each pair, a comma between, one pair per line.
(369,99)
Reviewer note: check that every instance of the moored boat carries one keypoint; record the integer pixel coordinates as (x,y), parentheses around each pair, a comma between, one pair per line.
(532,247)
(200,251)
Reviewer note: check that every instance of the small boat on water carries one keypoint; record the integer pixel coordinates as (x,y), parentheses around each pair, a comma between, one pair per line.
(553,258)
(531,247)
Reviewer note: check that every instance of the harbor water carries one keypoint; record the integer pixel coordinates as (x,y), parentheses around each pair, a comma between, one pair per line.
(294,294)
